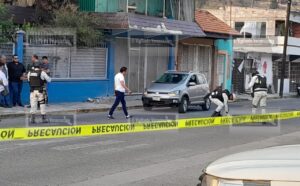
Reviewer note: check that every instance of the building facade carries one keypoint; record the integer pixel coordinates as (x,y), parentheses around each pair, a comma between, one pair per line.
(212,55)
(148,37)
(260,46)
(145,35)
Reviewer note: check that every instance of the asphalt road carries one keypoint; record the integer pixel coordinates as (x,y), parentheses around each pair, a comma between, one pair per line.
(154,158)
(238,108)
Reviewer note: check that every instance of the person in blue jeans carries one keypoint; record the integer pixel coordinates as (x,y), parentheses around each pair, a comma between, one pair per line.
(120,90)
(16,75)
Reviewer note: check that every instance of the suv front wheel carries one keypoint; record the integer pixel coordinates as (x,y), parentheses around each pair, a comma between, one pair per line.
(183,106)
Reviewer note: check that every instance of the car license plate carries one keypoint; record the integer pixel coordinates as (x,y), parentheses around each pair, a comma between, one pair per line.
(156,98)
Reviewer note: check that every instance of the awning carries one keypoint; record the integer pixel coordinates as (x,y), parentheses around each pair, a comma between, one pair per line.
(150,25)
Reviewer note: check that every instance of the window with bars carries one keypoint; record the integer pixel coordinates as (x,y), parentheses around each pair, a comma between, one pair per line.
(72,62)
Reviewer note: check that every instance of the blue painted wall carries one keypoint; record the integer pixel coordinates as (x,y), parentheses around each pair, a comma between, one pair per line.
(226,45)
(72,91)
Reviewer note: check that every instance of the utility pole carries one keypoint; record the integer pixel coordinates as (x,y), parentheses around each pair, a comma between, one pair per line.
(286,38)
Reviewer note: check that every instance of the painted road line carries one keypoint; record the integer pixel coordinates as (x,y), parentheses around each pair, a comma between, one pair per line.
(86,145)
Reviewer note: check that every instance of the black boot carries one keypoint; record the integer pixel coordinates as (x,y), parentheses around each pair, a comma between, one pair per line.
(45,119)
(216,114)
(32,119)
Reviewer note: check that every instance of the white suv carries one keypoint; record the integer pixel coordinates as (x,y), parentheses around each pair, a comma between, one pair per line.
(276,166)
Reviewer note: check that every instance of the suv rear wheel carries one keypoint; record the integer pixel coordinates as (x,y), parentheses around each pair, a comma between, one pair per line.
(206,105)
(183,106)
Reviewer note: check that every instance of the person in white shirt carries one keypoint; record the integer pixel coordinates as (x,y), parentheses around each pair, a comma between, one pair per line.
(3,84)
(5,101)
(37,78)
(120,90)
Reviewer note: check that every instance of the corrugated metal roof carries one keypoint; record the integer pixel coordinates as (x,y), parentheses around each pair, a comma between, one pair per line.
(165,26)
(150,24)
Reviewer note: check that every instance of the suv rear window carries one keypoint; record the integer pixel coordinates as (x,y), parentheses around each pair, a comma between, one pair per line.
(172,78)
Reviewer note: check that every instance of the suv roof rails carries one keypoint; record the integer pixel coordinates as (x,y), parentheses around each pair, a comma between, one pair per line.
(171,71)
(179,71)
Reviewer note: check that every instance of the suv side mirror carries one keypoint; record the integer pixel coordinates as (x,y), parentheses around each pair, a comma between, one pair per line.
(191,84)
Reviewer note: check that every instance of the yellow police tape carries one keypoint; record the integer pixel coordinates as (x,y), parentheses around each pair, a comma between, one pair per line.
(123,128)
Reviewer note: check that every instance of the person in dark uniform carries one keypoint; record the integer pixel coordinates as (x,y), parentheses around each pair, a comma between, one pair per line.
(220,98)
(36,78)
(259,88)
(16,75)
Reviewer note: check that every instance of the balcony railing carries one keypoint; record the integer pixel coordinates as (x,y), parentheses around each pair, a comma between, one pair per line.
(268,41)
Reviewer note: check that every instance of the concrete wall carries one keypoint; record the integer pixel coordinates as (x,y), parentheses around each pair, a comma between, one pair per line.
(264,65)
(241,14)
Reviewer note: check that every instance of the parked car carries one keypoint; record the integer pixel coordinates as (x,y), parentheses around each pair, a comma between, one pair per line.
(179,89)
(276,166)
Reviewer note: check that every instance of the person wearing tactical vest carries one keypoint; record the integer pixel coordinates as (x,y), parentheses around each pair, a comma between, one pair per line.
(258,86)
(37,78)
(220,97)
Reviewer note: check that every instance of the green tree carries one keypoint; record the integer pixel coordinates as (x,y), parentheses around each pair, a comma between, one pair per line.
(7,28)
(83,23)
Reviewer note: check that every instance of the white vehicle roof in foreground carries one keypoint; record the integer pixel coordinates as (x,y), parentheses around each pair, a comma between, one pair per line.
(270,164)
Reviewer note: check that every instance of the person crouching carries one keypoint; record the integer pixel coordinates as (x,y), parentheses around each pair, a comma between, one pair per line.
(220,98)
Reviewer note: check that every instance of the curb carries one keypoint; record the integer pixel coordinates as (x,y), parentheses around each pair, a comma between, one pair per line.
(85,110)
(94,110)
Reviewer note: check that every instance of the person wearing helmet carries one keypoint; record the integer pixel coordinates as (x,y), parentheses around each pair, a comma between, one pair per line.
(258,86)
(220,98)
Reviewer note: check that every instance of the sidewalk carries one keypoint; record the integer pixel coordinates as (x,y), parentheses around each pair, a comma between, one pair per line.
(95,105)
(247,97)
(99,105)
